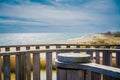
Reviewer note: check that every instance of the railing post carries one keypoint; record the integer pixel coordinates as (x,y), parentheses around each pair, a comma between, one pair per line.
(36,66)
(78,51)
(17,69)
(6,67)
(67,70)
(28,67)
(57,47)
(23,74)
(49,66)
(118,57)
(0,68)
(97,55)
(20,67)
(107,60)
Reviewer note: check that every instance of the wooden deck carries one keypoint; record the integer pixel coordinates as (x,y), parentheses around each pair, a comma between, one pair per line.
(23,68)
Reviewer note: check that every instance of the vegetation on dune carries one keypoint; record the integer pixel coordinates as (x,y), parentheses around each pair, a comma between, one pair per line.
(115,34)
(107,38)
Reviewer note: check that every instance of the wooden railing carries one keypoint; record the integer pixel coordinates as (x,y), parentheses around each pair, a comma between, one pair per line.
(86,71)
(22,54)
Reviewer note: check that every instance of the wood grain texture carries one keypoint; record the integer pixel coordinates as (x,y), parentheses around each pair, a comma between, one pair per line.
(97,57)
(28,68)
(80,75)
(36,66)
(22,68)
(48,66)
(75,75)
(6,67)
(87,75)
(61,74)
(118,59)
(95,76)
(107,58)
(17,69)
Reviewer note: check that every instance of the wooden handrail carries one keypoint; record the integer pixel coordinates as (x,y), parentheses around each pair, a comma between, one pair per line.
(57,50)
(4,46)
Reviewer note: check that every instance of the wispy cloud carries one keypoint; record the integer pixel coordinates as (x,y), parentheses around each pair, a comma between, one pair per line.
(63,14)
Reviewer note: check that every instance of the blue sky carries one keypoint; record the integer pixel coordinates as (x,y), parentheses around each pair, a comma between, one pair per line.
(82,16)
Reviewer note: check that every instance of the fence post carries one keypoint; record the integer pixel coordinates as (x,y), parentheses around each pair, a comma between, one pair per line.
(36,66)
(67,70)
(118,57)
(6,67)
(49,66)
(0,68)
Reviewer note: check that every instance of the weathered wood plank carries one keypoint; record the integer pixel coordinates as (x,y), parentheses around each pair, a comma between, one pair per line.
(28,68)
(77,51)
(37,47)
(118,59)
(47,47)
(49,66)
(27,47)
(61,74)
(97,57)
(95,76)
(58,46)
(61,44)
(87,75)
(17,69)
(106,77)
(88,46)
(6,67)
(36,66)
(90,53)
(56,50)
(75,75)
(22,67)
(81,75)
(107,58)
(70,75)
(0,69)
(17,48)
(78,46)
(7,49)
(68,46)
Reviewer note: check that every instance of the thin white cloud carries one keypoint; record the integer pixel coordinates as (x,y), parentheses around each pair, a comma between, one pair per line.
(93,12)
